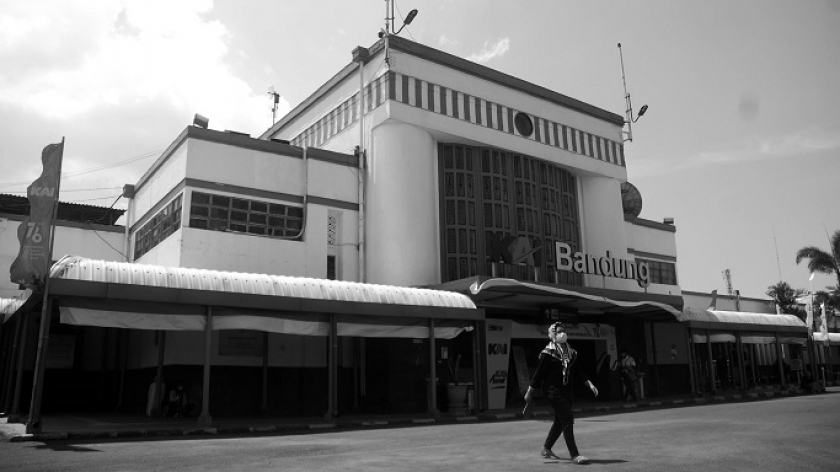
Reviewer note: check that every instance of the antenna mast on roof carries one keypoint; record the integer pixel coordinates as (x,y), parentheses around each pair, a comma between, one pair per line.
(389,16)
(727,276)
(628,120)
(275,97)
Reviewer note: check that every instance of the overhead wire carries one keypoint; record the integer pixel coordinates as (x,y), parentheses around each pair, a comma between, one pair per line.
(71,174)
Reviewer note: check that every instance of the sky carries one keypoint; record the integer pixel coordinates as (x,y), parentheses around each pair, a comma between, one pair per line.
(740,144)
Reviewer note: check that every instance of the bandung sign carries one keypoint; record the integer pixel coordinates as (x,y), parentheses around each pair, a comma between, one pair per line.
(607,266)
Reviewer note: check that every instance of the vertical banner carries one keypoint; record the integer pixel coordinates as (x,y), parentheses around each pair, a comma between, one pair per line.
(33,260)
(824,326)
(497,340)
(809,316)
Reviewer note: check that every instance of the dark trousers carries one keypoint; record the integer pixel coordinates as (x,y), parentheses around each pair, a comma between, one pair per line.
(563,424)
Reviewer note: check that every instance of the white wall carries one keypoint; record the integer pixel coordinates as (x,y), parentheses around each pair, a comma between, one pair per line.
(700,301)
(652,240)
(260,174)
(401,207)
(165,178)
(78,240)
(602,230)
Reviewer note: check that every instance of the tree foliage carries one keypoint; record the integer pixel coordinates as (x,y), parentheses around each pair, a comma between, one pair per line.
(825,262)
(785,297)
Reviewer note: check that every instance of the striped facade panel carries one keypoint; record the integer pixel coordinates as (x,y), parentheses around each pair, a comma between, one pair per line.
(462,106)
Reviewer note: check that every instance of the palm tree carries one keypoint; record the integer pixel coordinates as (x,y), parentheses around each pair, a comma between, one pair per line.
(785,297)
(822,261)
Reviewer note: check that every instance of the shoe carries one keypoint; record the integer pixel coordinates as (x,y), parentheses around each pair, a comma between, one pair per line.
(547,454)
(580,460)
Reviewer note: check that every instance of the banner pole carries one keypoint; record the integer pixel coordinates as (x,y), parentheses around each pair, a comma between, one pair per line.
(34,423)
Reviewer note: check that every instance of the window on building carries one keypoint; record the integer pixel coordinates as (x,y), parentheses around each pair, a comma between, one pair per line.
(331,266)
(158,228)
(497,203)
(333,238)
(661,272)
(225,213)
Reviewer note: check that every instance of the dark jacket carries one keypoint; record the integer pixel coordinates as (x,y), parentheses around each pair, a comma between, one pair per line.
(549,375)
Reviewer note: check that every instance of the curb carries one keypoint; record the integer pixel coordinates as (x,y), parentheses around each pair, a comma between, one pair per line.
(403,422)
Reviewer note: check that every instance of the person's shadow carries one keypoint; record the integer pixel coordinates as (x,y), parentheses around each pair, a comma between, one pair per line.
(590,461)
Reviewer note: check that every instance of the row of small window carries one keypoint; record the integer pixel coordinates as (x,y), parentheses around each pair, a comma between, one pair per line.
(220,213)
(223,213)
(158,228)
(661,272)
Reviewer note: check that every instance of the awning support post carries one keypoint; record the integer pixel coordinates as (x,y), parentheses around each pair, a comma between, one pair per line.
(122,358)
(264,407)
(14,354)
(711,370)
(691,360)
(14,416)
(5,345)
(34,423)
(432,383)
(655,362)
(742,371)
(204,419)
(332,369)
(478,367)
(157,406)
(812,357)
(779,360)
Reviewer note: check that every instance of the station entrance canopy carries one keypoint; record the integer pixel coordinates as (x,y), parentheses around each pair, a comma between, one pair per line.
(513,295)
(754,328)
(138,296)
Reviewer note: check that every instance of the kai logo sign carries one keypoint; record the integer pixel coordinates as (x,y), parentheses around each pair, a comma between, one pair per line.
(607,266)
(513,250)
(41,191)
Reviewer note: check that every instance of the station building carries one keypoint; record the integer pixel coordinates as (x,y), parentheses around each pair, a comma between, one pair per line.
(397,243)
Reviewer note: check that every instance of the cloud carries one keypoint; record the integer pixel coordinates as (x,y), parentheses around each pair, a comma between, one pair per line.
(65,59)
(799,143)
(445,41)
(491,51)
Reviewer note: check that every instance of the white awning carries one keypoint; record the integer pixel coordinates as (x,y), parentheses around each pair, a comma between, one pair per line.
(833,338)
(747,338)
(79,268)
(742,321)
(477,287)
(138,296)
(8,306)
(376,327)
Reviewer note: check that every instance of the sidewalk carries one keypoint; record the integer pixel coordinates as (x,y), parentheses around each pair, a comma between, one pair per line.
(97,426)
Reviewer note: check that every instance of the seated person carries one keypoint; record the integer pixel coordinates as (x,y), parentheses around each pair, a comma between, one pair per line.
(177,405)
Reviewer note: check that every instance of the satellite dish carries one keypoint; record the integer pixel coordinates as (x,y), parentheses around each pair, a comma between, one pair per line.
(631,199)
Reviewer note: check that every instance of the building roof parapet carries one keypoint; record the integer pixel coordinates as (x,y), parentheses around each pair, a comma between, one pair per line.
(650,224)
(454,62)
(247,142)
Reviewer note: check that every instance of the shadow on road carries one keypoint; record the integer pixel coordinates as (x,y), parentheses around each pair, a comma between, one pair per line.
(59,447)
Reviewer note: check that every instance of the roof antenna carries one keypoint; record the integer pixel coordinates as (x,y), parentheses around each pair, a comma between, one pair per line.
(629,120)
(275,100)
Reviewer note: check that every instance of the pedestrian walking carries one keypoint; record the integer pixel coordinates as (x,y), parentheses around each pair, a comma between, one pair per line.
(627,369)
(557,368)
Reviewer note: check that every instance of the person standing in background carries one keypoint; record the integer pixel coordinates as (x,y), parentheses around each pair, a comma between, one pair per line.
(627,369)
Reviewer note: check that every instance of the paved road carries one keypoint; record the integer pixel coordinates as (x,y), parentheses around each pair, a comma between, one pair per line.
(795,433)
